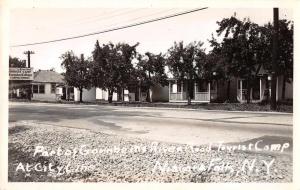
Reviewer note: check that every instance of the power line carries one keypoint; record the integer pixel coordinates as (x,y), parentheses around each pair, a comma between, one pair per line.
(91,18)
(94,19)
(136,19)
(116,28)
(149,15)
(105,17)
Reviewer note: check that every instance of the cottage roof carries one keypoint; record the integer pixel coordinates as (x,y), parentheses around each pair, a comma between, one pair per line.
(48,76)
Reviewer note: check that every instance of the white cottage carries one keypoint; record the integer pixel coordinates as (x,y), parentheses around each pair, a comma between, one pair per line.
(45,85)
(49,85)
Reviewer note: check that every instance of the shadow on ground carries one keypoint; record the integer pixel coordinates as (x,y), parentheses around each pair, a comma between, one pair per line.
(44,113)
(16,156)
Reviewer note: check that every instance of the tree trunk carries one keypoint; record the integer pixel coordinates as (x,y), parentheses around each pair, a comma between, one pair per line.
(140,88)
(123,98)
(148,99)
(120,95)
(110,96)
(189,92)
(283,88)
(228,90)
(80,96)
(148,95)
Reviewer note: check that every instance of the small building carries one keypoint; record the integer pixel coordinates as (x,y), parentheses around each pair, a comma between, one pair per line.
(261,88)
(135,94)
(216,91)
(49,85)
(46,85)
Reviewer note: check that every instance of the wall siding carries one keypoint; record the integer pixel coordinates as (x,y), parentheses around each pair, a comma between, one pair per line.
(47,96)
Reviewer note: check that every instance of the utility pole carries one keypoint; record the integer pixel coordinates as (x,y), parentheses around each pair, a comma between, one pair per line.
(28,53)
(274,59)
(29,89)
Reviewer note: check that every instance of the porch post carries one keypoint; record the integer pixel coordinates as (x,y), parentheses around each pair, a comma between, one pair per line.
(208,91)
(181,90)
(260,97)
(169,90)
(195,90)
(140,100)
(67,96)
(277,89)
(176,97)
(241,89)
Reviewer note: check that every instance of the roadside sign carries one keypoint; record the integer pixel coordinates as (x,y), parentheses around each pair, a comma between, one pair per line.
(20,73)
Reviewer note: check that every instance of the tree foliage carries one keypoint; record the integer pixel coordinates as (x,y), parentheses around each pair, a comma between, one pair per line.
(16,62)
(150,71)
(285,38)
(77,71)
(185,63)
(247,47)
(241,49)
(112,67)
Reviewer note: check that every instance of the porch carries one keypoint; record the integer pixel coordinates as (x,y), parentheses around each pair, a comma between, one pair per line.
(201,92)
(257,91)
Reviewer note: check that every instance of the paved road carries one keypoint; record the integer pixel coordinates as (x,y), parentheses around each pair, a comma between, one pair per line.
(170,125)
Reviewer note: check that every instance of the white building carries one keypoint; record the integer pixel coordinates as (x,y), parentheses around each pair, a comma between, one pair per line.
(49,85)
(87,95)
(135,93)
(45,85)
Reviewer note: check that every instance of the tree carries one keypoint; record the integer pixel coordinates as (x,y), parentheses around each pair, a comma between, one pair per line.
(113,65)
(285,50)
(16,62)
(77,71)
(217,58)
(151,71)
(182,63)
(100,55)
(126,69)
(239,48)
(247,47)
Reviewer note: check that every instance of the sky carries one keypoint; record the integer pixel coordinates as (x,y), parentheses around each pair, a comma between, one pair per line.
(41,24)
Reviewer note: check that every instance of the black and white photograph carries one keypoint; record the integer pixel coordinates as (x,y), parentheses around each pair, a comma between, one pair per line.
(156,94)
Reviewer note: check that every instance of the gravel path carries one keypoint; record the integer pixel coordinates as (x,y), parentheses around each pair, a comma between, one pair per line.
(83,155)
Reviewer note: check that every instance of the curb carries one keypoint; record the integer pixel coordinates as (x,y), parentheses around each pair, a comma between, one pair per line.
(158,108)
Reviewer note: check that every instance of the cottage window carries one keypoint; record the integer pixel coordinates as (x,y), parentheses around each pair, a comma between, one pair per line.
(202,86)
(41,89)
(179,86)
(244,84)
(256,89)
(71,89)
(213,85)
(35,89)
(53,88)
